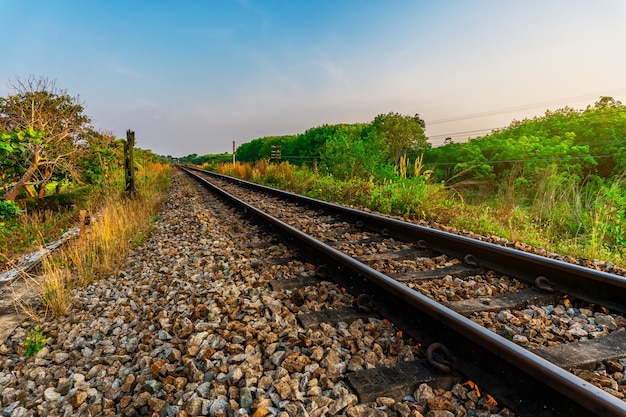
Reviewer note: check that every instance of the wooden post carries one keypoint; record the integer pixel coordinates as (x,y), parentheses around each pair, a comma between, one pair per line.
(233,152)
(129,162)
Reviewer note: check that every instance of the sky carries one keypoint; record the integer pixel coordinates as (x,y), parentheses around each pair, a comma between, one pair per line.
(194,76)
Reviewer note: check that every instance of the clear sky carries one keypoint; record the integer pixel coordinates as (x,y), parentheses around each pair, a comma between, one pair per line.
(194,76)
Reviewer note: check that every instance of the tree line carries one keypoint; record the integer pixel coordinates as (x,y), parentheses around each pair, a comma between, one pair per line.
(346,151)
(196,159)
(582,144)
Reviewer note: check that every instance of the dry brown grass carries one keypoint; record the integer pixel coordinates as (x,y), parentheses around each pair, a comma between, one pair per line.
(122,223)
(238,169)
(263,170)
(19,236)
(54,287)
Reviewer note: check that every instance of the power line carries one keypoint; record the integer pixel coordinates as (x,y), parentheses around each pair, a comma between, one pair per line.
(464,132)
(524,107)
(565,158)
(492,129)
(604,142)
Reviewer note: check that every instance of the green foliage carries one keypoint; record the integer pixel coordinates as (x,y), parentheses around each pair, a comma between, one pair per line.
(51,123)
(551,181)
(101,156)
(389,135)
(251,151)
(35,341)
(582,143)
(208,159)
(559,172)
(8,209)
(457,162)
(405,198)
(402,134)
(15,141)
(349,155)
(310,145)
(13,152)
(605,222)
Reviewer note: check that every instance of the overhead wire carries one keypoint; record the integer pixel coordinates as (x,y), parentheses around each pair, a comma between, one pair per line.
(562,101)
(524,107)
(464,132)
(501,161)
(505,110)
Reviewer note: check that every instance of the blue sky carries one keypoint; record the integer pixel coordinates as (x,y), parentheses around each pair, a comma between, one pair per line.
(194,76)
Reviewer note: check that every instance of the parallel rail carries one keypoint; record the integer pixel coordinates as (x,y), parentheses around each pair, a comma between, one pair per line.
(526,383)
(596,287)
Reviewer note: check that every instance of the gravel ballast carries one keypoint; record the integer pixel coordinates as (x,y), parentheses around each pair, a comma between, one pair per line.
(188,326)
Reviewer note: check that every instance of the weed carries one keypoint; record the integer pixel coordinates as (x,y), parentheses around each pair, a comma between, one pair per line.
(139,239)
(35,341)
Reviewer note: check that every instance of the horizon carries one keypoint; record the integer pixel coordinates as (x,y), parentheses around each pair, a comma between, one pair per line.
(194,77)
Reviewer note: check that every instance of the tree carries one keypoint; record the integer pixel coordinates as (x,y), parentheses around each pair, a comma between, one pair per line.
(251,151)
(40,106)
(101,157)
(348,155)
(11,152)
(402,133)
(458,161)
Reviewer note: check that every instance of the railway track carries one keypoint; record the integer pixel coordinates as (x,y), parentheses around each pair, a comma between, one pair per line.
(526,328)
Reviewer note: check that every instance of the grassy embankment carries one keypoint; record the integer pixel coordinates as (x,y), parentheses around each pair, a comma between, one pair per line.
(561,217)
(122,222)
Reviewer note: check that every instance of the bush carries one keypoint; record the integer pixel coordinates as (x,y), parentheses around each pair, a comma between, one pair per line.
(8,209)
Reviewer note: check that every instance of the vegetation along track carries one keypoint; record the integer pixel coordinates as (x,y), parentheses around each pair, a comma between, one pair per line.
(512,321)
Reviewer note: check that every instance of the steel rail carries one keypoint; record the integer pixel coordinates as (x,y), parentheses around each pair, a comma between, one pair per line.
(523,381)
(596,287)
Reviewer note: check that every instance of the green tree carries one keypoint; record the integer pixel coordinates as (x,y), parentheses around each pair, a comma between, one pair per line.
(349,155)
(603,128)
(458,162)
(309,145)
(562,144)
(211,159)
(252,151)
(11,152)
(402,134)
(37,104)
(102,155)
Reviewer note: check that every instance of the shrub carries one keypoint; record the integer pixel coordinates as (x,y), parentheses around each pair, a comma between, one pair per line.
(8,209)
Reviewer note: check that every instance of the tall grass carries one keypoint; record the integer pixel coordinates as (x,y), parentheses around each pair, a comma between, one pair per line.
(29,229)
(122,222)
(121,225)
(410,194)
(55,287)
(556,212)
(603,216)
(264,170)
